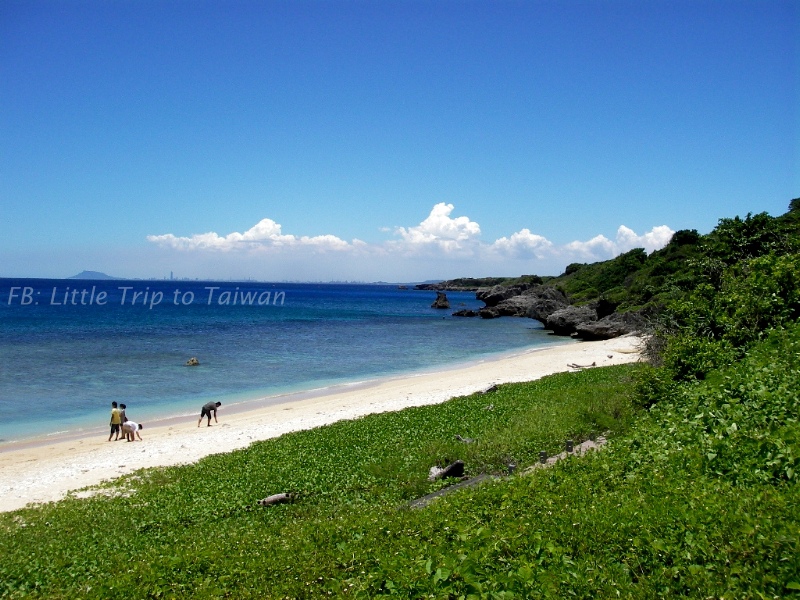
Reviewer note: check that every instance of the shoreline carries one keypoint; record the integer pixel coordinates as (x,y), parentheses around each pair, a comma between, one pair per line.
(48,469)
(258,402)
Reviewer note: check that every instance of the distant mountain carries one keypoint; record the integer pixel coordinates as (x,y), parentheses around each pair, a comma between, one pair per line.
(92,275)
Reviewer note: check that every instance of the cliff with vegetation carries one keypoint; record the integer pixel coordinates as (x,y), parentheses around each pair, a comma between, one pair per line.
(609,298)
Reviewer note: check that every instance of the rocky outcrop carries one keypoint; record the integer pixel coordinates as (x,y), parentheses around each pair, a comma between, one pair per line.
(566,320)
(465,312)
(489,312)
(533,301)
(537,302)
(594,321)
(494,295)
(192,362)
(611,326)
(441,301)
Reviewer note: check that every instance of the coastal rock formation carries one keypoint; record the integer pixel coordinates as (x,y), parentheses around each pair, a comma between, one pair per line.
(494,295)
(524,300)
(538,302)
(192,362)
(594,321)
(465,312)
(544,302)
(441,301)
(566,320)
(611,326)
(489,312)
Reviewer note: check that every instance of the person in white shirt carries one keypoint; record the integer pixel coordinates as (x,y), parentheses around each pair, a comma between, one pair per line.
(130,428)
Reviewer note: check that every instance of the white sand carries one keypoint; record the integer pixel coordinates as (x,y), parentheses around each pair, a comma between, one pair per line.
(48,472)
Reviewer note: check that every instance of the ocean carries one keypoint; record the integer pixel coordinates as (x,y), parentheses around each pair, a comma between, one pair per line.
(70,347)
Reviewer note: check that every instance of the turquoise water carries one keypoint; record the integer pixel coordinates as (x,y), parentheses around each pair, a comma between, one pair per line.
(68,348)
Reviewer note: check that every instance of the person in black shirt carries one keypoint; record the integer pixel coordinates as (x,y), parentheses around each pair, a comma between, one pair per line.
(206,411)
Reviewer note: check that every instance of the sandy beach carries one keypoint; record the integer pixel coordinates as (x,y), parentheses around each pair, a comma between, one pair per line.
(44,472)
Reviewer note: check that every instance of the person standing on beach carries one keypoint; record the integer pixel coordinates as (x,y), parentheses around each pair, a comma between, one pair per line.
(130,428)
(115,421)
(206,411)
(122,418)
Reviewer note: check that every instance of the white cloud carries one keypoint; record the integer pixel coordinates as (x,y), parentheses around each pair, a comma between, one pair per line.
(597,248)
(602,248)
(655,239)
(523,244)
(439,232)
(438,247)
(264,234)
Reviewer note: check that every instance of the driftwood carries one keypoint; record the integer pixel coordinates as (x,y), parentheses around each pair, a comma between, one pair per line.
(276,499)
(576,366)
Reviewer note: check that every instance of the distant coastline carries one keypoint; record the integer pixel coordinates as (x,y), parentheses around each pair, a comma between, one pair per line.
(93,276)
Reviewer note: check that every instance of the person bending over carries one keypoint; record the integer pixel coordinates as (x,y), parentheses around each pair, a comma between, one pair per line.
(206,411)
(129,429)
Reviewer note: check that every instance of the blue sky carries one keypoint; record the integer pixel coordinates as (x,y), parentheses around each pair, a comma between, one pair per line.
(391,140)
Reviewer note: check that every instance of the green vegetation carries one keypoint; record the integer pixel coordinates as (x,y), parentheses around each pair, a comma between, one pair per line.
(696,494)
(473,283)
(636,280)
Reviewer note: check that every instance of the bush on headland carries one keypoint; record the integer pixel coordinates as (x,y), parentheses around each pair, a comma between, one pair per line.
(695,495)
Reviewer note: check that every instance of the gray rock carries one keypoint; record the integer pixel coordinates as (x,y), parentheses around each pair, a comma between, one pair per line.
(441,301)
(465,312)
(612,326)
(535,302)
(489,312)
(494,295)
(192,362)
(545,301)
(514,307)
(566,320)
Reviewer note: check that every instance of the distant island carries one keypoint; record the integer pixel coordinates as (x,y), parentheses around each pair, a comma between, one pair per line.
(92,275)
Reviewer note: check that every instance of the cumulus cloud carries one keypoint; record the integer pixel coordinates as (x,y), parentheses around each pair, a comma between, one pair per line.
(523,244)
(439,238)
(598,246)
(264,234)
(602,248)
(655,239)
(439,231)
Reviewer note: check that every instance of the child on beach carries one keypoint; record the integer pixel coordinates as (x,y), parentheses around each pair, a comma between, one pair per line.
(115,421)
(122,418)
(129,429)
